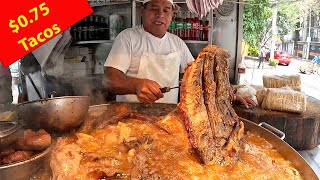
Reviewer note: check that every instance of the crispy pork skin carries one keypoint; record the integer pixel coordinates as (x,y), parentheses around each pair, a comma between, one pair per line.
(195,112)
(213,127)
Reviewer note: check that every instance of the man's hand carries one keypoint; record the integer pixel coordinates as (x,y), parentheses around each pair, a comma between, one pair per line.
(119,83)
(244,100)
(148,91)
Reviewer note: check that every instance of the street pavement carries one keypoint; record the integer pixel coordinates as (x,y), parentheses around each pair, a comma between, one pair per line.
(310,84)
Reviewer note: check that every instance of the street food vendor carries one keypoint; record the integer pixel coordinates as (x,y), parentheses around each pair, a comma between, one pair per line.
(147,57)
(5,85)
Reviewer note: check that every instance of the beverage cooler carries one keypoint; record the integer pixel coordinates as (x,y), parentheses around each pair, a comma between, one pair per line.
(93,36)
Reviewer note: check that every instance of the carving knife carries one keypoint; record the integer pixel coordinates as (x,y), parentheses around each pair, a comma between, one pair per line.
(167,89)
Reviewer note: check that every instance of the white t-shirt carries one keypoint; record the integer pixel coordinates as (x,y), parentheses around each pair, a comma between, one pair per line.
(130,44)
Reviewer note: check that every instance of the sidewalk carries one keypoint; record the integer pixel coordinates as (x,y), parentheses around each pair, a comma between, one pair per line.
(253,62)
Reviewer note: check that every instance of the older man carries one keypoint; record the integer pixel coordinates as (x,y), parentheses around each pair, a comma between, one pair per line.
(147,57)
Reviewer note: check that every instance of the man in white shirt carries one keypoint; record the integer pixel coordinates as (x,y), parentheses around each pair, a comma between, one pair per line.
(262,56)
(147,57)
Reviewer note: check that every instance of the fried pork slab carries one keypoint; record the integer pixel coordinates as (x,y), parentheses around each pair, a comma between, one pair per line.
(213,127)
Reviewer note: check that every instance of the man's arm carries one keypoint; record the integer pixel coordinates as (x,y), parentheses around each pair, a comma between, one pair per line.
(117,82)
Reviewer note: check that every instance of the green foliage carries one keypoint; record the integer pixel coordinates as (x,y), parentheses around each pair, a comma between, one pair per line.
(288,17)
(273,62)
(255,20)
(253,51)
(258,19)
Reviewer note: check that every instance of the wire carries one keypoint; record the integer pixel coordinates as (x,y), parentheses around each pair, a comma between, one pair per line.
(248,3)
(257,4)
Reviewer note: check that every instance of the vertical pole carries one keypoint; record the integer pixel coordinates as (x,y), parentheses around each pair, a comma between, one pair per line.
(309,36)
(274,29)
(133,13)
(210,36)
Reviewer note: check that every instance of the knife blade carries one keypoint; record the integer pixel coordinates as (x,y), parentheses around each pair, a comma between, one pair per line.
(167,89)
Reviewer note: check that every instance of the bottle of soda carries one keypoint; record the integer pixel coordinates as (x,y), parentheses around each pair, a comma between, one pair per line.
(74,32)
(172,26)
(84,30)
(205,28)
(179,24)
(200,30)
(184,28)
(98,25)
(104,29)
(79,30)
(188,28)
(195,26)
(91,29)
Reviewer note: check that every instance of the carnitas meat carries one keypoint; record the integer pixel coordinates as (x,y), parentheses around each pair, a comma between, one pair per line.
(23,148)
(138,149)
(213,127)
(122,141)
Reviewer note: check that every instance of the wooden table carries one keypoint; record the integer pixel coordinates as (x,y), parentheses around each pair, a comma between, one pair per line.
(302,130)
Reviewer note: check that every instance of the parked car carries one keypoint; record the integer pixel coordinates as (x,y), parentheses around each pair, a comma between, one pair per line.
(283,57)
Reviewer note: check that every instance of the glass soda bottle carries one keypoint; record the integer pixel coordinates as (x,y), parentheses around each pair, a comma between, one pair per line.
(188,28)
(195,26)
(97,27)
(200,30)
(91,28)
(74,32)
(84,30)
(205,28)
(179,25)
(79,30)
(104,29)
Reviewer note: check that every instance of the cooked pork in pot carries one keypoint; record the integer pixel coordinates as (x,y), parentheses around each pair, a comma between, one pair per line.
(202,138)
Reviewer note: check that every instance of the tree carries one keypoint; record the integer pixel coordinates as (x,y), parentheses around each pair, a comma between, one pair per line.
(256,15)
(288,17)
(305,6)
(258,18)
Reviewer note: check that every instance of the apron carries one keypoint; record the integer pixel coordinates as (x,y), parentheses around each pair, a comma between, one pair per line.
(164,69)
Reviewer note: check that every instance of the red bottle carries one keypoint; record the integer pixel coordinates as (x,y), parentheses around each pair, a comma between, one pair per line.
(195,28)
(179,24)
(188,26)
(205,28)
(184,29)
(200,36)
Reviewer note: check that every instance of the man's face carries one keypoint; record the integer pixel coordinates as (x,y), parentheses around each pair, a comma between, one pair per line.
(157,16)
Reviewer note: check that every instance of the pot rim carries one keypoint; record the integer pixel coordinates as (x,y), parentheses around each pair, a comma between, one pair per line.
(7,132)
(54,98)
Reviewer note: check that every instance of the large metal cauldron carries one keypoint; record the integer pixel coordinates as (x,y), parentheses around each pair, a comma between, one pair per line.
(55,114)
(282,147)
